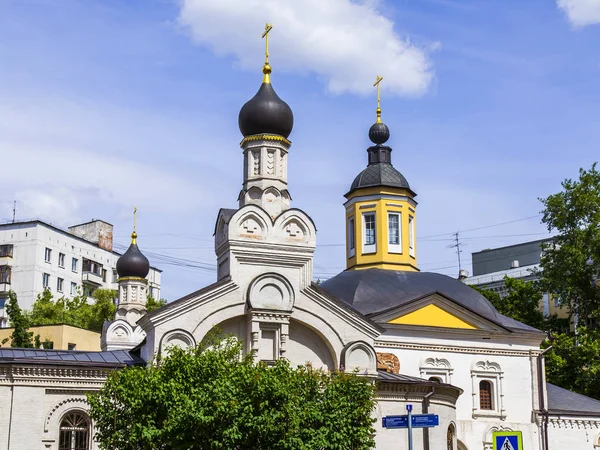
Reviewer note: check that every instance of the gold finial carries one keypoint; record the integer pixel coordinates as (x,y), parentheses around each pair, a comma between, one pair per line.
(134,234)
(379,78)
(267,68)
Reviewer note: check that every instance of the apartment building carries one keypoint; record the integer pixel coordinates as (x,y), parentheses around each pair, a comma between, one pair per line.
(35,255)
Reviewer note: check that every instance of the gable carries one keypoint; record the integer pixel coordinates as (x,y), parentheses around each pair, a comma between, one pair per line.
(433,315)
(435,311)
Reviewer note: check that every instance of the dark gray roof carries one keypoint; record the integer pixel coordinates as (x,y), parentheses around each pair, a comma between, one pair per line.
(374,291)
(383,375)
(116,358)
(379,174)
(563,401)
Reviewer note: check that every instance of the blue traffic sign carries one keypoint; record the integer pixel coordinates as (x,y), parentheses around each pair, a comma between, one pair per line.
(507,440)
(418,421)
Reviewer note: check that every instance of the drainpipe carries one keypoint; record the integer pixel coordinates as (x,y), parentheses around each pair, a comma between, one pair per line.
(543,408)
(426,411)
(10,417)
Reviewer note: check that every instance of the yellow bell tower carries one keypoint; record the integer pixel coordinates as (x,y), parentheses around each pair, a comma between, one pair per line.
(381,211)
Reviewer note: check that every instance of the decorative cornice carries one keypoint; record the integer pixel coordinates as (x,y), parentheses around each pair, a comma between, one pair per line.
(265,137)
(85,378)
(381,344)
(143,280)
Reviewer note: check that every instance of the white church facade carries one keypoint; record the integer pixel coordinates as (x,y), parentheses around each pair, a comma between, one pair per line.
(426,339)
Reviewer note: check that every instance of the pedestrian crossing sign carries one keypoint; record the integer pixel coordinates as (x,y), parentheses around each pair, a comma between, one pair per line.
(507,440)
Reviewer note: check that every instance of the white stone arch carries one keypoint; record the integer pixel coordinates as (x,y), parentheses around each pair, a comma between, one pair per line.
(436,367)
(487,437)
(216,317)
(57,412)
(250,222)
(301,335)
(271,291)
(293,222)
(177,337)
(119,330)
(361,356)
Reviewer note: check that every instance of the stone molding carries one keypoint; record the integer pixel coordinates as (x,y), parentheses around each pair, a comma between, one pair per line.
(26,375)
(383,344)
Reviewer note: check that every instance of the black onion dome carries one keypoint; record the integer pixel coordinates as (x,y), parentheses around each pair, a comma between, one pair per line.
(379,133)
(266,113)
(133,263)
(380,174)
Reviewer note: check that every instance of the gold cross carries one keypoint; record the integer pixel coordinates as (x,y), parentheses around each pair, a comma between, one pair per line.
(265,35)
(377,83)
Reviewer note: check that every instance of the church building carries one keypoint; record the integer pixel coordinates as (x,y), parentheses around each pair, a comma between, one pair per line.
(426,339)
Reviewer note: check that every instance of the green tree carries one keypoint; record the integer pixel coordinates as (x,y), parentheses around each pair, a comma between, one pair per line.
(571,264)
(74,311)
(210,397)
(152,304)
(574,361)
(20,337)
(520,303)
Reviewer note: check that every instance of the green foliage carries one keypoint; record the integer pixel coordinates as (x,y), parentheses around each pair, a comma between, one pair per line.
(210,397)
(570,266)
(520,303)
(574,362)
(152,304)
(20,337)
(74,311)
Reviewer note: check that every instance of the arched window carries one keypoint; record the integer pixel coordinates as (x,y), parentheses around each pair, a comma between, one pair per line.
(74,432)
(450,437)
(485,395)
(435,379)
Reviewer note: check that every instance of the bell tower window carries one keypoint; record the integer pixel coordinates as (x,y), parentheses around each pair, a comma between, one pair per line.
(411,236)
(351,238)
(369,236)
(394,233)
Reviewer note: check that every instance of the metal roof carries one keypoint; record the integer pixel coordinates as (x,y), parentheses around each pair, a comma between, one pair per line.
(116,358)
(379,174)
(383,375)
(373,291)
(563,401)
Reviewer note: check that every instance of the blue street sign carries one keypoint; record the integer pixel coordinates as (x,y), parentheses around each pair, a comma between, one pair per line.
(418,421)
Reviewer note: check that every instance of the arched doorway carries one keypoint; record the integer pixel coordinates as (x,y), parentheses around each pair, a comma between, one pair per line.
(450,437)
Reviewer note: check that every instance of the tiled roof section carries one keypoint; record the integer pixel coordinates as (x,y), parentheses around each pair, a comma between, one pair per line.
(116,358)
(373,291)
(563,401)
(380,174)
(383,375)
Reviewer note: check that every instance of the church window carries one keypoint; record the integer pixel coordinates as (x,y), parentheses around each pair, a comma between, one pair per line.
(394,233)
(485,395)
(369,238)
(435,379)
(351,237)
(450,437)
(411,235)
(74,432)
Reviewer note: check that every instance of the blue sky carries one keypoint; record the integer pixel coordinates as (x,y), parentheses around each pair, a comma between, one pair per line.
(106,104)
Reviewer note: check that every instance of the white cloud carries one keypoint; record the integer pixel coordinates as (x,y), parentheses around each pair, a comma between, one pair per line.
(581,12)
(345,42)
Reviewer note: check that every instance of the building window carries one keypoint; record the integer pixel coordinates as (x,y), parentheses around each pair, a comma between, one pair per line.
(104,275)
(394,233)
(436,369)
(5,272)
(47,255)
(450,437)
(488,399)
(46,280)
(411,236)
(92,267)
(351,238)
(61,260)
(74,264)
(485,395)
(435,379)
(71,346)
(6,250)
(73,289)
(74,432)
(369,238)
(59,284)
(115,276)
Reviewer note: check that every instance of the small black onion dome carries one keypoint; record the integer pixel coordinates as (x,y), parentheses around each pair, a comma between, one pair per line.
(133,263)
(379,174)
(379,133)
(266,113)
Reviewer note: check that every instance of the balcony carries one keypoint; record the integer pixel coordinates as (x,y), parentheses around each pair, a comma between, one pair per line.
(4,287)
(91,278)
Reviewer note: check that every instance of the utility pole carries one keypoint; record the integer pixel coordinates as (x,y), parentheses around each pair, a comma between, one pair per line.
(14,210)
(457,245)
